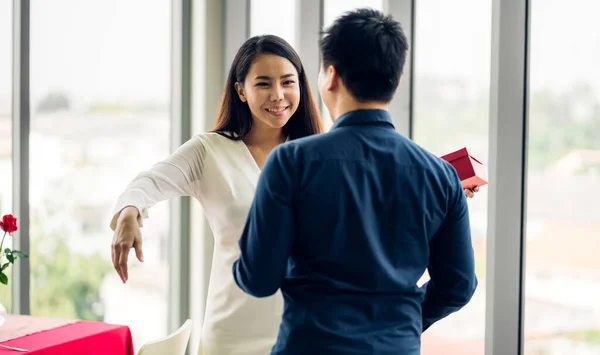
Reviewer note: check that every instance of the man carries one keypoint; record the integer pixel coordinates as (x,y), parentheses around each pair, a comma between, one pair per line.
(346,222)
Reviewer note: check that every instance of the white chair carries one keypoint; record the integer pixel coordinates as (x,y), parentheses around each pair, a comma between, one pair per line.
(174,344)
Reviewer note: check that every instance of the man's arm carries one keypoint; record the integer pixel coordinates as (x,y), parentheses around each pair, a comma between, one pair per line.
(451,263)
(269,232)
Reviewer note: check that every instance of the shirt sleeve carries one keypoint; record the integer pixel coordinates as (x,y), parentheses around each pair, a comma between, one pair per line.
(269,232)
(172,177)
(451,261)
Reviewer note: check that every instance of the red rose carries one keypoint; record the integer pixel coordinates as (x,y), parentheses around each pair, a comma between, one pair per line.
(9,223)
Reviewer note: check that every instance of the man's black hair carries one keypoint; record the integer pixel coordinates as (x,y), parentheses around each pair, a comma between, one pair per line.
(368,50)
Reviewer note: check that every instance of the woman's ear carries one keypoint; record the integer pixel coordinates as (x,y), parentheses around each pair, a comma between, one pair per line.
(240,91)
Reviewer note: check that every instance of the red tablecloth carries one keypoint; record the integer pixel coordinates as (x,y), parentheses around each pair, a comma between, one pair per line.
(83,337)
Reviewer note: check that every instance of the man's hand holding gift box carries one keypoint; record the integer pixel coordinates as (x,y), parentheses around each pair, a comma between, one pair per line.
(471,171)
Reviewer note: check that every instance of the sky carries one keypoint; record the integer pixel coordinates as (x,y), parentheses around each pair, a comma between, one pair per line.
(94,49)
(111,50)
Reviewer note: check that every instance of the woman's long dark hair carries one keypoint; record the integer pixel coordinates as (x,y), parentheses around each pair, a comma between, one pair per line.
(235,120)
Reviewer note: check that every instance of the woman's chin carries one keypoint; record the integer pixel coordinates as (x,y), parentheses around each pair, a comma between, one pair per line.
(276,122)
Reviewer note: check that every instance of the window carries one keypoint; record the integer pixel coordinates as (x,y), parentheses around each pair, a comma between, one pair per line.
(451,97)
(100,97)
(6,129)
(275,17)
(562,312)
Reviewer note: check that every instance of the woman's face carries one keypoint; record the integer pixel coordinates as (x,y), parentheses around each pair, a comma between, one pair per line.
(271,90)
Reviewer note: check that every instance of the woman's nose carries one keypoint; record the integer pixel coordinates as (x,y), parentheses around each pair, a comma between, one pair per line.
(277,93)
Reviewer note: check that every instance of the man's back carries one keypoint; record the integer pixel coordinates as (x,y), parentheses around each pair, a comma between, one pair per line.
(368,205)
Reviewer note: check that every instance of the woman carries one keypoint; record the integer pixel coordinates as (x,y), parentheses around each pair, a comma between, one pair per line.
(266,101)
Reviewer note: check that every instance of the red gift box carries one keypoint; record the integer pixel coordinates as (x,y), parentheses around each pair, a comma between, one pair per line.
(470,170)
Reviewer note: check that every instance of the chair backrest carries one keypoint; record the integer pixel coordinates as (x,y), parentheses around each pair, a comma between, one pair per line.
(174,344)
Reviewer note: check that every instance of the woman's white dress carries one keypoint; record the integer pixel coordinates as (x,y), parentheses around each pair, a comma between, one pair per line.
(222,175)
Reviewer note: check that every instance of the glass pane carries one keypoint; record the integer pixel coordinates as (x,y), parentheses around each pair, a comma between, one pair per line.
(6,133)
(562,309)
(283,24)
(100,91)
(452,87)
(332,10)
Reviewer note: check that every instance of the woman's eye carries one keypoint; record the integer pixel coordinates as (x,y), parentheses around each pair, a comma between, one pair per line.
(262,84)
(289,82)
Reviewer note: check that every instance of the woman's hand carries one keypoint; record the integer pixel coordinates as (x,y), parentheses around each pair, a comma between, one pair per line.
(127,235)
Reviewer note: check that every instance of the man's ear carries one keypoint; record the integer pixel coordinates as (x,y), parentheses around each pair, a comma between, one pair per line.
(240,91)
(332,78)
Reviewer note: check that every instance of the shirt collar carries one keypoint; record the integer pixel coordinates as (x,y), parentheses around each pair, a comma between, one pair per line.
(364,116)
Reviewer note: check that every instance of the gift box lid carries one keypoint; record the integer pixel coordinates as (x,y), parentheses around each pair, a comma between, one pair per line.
(461,153)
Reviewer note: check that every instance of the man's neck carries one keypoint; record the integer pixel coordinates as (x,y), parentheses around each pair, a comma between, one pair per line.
(350,104)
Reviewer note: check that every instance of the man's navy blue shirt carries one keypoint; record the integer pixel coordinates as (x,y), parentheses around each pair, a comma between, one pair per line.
(346,223)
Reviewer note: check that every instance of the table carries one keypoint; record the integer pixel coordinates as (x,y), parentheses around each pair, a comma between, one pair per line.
(80,337)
